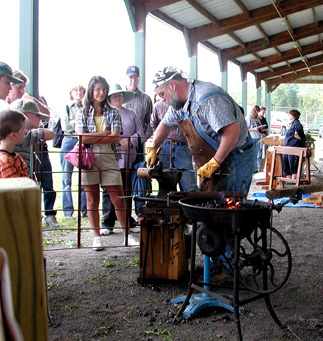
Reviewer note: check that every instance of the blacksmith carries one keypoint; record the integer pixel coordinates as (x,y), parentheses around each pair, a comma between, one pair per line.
(214,126)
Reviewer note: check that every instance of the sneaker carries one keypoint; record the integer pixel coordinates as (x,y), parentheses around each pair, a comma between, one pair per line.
(51,221)
(106,232)
(97,244)
(69,216)
(132,241)
(135,229)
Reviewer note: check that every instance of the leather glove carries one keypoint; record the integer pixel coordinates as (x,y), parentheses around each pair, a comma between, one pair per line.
(208,169)
(151,155)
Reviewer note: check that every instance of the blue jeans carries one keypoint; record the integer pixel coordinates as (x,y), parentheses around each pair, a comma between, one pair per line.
(47,183)
(67,168)
(257,154)
(241,169)
(239,180)
(181,158)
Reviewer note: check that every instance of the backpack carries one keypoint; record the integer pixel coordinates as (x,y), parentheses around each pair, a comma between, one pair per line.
(58,139)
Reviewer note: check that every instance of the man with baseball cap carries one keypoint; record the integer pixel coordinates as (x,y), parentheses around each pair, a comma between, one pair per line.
(6,77)
(141,103)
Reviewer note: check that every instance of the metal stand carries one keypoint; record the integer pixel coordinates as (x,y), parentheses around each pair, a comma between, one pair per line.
(198,302)
(192,304)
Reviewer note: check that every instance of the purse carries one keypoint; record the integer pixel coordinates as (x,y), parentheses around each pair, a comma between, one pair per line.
(57,141)
(87,157)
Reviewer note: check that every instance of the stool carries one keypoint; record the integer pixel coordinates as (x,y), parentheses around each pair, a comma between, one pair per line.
(276,172)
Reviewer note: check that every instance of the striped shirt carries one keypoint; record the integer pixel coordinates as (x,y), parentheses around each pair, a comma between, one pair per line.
(12,165)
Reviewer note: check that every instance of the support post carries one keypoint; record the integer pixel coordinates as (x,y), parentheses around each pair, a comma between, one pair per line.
(244,96)
(28,43)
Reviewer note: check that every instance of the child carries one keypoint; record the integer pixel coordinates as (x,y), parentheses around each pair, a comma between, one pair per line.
(12,132)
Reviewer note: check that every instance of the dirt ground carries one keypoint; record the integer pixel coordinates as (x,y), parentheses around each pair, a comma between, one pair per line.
(95,295)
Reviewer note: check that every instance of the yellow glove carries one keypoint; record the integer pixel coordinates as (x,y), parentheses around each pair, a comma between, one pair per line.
(208,169)
(151,155)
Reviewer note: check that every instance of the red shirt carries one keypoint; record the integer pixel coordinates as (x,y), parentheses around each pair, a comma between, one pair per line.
(12,165)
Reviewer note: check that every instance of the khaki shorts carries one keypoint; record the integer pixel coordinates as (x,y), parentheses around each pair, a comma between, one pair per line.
(105,170)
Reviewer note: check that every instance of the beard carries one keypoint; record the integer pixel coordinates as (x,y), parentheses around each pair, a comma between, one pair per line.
(175,102)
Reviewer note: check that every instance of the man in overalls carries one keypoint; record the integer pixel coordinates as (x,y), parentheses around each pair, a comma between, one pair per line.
(214,127)
(217,136)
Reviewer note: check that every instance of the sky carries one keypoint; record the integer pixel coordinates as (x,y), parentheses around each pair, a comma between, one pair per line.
(79,39)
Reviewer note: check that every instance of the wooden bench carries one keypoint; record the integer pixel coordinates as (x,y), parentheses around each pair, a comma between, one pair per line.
(276,171)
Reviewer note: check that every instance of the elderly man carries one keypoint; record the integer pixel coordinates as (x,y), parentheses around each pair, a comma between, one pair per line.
(214,126)
(141,103)
(6,78)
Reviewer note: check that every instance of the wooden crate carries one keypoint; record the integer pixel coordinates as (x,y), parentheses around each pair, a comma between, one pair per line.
(163,261)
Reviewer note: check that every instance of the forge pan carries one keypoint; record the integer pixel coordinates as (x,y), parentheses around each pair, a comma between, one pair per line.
(193,209)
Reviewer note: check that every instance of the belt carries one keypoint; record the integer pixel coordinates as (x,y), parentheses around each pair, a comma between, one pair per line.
(175,143)
(242,149)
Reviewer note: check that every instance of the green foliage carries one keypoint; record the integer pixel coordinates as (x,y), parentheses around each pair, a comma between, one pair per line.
(134,262)
(107,263)
(298,96)
(164,334)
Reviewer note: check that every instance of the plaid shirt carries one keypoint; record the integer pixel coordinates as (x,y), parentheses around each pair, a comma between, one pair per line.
(12,165)
(112,119)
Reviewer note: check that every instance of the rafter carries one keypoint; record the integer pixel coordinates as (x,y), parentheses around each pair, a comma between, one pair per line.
(162,16)
(152,5)
(315,16)
(289,26)
(287,55)
(275,40)
(278,52)
(292,77)
(294,67)
(243,8)
(261,30)
(257,16)
(204,12)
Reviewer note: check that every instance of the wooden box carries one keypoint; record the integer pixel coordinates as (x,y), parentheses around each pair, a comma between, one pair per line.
(165,260)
